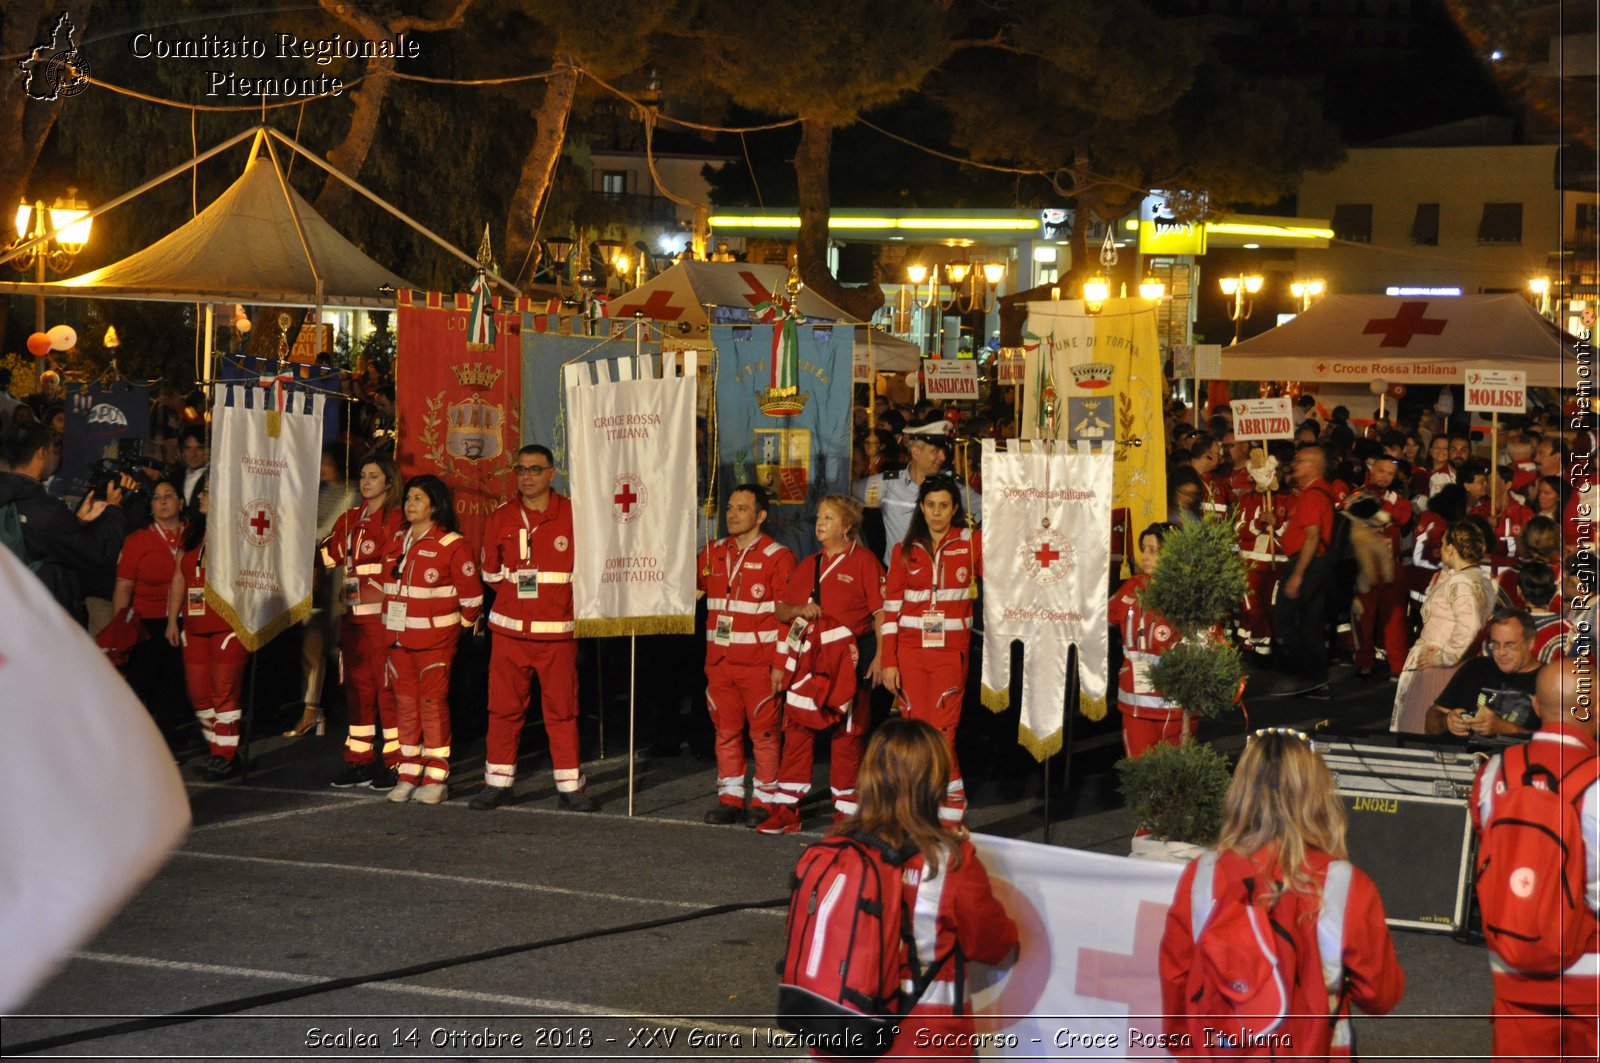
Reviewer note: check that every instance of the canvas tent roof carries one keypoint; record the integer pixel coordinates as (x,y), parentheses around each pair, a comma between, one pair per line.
(243,248)
(681,293)
(1363,338)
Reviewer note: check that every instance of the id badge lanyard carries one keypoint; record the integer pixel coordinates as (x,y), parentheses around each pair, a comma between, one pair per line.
(394,613)
(527,575)
(933,619)
(723,631)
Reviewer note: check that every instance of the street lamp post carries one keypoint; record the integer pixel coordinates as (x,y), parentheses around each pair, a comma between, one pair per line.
(1540,287)
(1306,293)
(55,236)
(1240,288)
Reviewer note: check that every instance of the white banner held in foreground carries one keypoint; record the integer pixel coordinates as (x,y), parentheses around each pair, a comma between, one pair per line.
(266,450)
(631,441)
(1086,982)
(74,859)
(1047,559)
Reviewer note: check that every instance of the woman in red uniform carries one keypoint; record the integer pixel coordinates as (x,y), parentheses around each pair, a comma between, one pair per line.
(927,619)
(1147,717)
(144,577)
(844,581)
(213,656)
(1283,828)
(432,592)
(947,891)
(355,547)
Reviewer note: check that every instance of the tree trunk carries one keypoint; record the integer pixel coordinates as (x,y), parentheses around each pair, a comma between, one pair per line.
(538,170)
(811,162)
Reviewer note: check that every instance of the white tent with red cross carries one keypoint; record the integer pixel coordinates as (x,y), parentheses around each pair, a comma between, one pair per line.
(1359,339)
(681,295)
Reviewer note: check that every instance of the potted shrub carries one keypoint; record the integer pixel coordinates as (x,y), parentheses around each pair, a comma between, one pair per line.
(1176,791)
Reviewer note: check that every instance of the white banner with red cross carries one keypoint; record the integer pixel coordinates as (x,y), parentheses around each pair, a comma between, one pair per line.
(261,535)
(631,444)
(1047,571)
(1086,983)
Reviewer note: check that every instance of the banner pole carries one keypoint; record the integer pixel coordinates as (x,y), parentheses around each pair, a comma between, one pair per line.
(1070,709)
(249,724)
(1494,456)
(600,691)
(633,656)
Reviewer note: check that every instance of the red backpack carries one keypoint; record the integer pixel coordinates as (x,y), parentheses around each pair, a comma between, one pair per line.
(1530,879)
(849,938)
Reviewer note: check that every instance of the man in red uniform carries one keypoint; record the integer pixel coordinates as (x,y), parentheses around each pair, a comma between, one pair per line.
(741,577)
(1553,1017)
(527,558)
(1299,630)
(1381,611)
(1205,457)
(1259,519)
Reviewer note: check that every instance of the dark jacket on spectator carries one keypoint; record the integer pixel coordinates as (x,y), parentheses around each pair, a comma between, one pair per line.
(70,553)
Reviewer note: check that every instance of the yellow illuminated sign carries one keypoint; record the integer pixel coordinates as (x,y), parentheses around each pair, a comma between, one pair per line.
(792,221)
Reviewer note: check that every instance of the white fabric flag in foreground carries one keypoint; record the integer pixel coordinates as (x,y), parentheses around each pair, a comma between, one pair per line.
(266,448)
(74,853)
(1086,983)
(630,435)
(1047,569)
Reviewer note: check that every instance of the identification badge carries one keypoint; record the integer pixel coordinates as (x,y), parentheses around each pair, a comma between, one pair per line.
(394,616)
(797,631)
(352,590)
(933,631)
(197,601)
(527,583)
(1141,678)
(724,635)
(874,494)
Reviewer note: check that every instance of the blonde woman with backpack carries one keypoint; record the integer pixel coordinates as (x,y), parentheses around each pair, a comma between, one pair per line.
(1256,960)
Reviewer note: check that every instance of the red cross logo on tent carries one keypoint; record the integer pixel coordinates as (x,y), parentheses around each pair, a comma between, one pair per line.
(258,522)
(628,498)
(1408,321)
(658,306)
(1130,979)
(758,293)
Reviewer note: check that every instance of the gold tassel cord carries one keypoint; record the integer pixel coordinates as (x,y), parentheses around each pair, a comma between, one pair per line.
(995,700)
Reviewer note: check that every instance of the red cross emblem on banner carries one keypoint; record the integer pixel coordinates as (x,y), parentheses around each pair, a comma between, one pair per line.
(1130,979)
(1408,321)
(758,293)
(1046,554)
(658,306)
(258,522)
(628,498)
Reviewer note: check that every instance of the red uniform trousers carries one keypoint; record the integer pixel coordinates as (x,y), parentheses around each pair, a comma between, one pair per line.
(848,739)
(363,651)
(421,683)
(213,666)
(933,683)
(1383,614)
(513,663)
(1255,612)
(1524,1033)
(1151,727)
(740,696)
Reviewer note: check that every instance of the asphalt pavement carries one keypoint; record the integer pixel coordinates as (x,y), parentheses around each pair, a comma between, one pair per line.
(302,921)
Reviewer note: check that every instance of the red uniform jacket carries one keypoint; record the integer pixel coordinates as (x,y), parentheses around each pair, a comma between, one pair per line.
(852,586)
(922,583)
(198,616)
(1313,506)
(1394,503)
(820,673)
(1253,523)
(1218,494)
(741,589)
(527,558)
(148,557)
(1373,978)
(1145,637)
(432,589)
(356,543)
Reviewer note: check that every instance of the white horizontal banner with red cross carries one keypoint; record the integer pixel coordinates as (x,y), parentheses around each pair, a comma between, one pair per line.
(1047,570)
(261,534)
(1086,983)
(631,445)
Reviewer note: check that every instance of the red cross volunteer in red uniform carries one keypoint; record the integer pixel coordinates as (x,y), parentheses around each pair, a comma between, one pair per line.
(355,548)
(213,656)
(741,577)
(1548,1016)
(527,559)
(431,593)
(1147,717)
(927,620)
(844,582)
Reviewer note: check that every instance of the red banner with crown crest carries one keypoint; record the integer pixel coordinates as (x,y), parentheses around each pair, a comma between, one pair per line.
(458,400)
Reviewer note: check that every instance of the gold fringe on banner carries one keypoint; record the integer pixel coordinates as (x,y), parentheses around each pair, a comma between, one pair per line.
(1092,708)
(634,625)
(1048,746)
(254,640)
(994,700)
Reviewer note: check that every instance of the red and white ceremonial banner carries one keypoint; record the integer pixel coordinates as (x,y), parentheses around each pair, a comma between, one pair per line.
(1047,570)
(458,396)
(630,437)
(72,860)
(261,537)
(1086,983)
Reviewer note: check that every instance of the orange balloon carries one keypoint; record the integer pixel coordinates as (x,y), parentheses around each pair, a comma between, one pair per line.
(39,344)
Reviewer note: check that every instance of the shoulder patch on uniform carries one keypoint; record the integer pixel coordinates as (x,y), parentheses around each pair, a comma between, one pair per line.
(449,537)
(892,474)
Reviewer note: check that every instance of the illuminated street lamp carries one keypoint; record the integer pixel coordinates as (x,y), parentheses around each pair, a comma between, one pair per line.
(1540,286)
(972,284)
(55,237)
(1307,292)
(1239,288)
